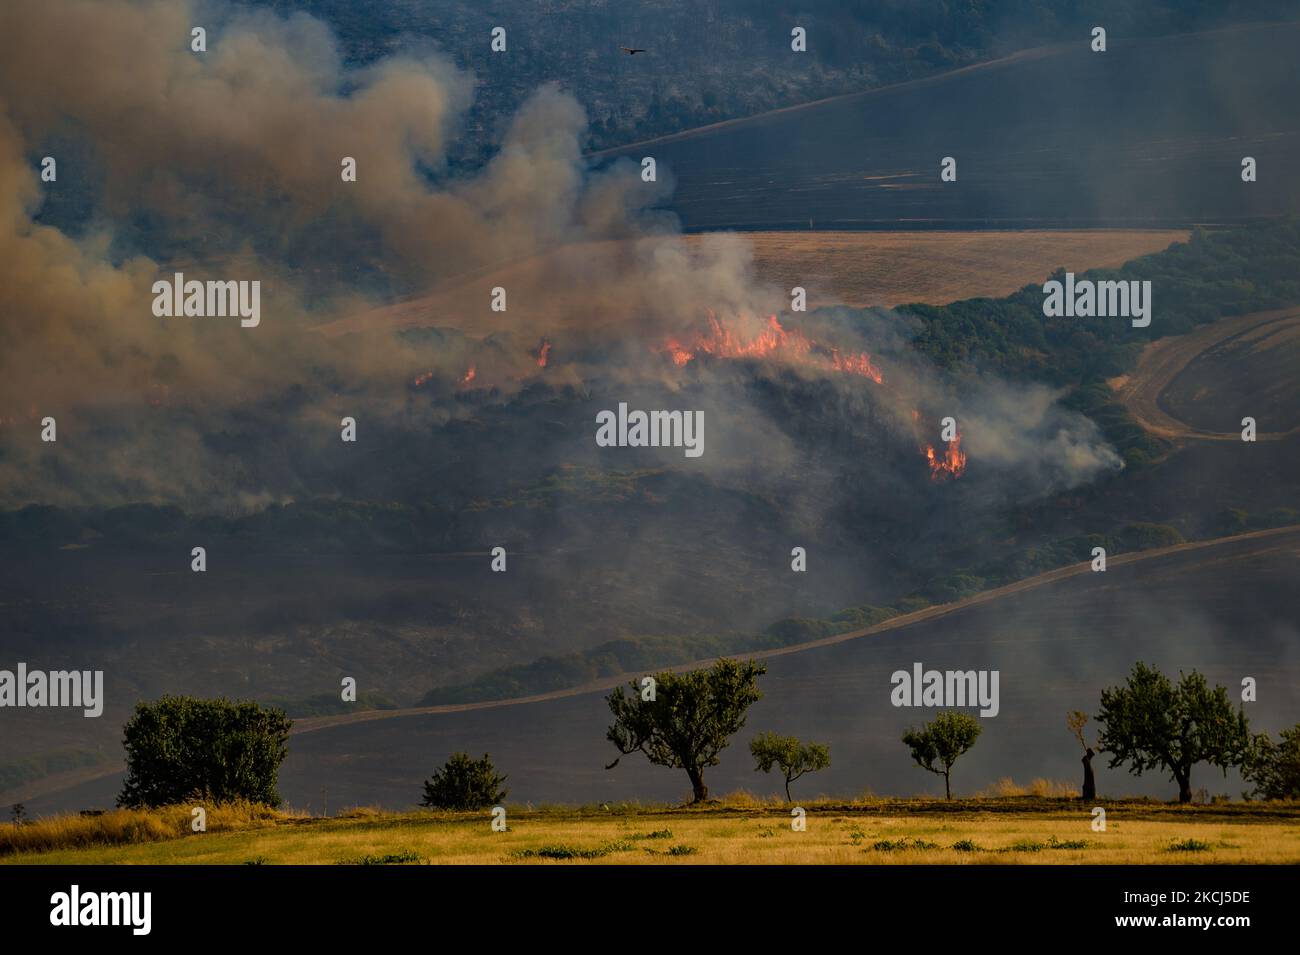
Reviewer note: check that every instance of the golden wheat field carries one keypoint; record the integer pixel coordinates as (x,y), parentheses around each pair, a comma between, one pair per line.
(736,830)
(836,268)
(894,268)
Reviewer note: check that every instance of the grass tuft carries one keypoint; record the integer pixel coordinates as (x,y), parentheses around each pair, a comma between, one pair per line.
(1008,788)
(657,834)
(128,826)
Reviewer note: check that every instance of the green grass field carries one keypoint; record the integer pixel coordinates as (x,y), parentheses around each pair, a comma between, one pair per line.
(737,830)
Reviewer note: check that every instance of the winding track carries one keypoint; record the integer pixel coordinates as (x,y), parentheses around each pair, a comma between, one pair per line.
(1163,360)
(316,724)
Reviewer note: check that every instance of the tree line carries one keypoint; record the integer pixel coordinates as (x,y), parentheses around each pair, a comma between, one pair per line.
(181,749)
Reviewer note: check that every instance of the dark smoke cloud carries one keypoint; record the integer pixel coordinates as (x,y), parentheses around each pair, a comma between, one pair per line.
(236,153)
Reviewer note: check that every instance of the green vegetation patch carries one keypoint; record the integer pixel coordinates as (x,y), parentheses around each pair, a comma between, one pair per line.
(1190,845)
(1030,845)
(392,858)
(900,845)
(565,851)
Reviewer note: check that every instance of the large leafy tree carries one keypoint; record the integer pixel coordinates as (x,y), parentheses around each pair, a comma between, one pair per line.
(789,755)
(690,719)
(464,783)
(1274,768)
(1150,722)
(938,744)
(181,748)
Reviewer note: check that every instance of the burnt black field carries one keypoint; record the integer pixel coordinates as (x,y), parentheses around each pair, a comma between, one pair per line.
(1149,133)
(1228,611)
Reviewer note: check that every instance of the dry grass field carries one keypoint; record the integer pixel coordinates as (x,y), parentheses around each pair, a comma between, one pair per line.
(837,268)
(737,830)
(895,268)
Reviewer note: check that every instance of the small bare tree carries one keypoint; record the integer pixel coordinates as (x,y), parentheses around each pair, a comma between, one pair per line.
(1076,720)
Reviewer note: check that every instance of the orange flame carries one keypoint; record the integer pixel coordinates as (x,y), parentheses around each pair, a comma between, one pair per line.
(469,376)
(543,353)
(421,379)
(950,464)
(774,341)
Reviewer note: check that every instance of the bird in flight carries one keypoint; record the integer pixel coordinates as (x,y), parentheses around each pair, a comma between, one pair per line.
(630,50)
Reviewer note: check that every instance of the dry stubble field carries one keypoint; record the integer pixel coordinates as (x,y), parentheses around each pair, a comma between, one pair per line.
(737,831)
(856,269)
(894,268)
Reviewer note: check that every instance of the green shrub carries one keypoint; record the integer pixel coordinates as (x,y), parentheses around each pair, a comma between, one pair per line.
(464,783)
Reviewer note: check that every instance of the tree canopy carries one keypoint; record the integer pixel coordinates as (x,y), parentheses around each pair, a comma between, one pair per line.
(938,744)
(788,754)
(1274,768)
(1152,723)
(181,748)
(688,719)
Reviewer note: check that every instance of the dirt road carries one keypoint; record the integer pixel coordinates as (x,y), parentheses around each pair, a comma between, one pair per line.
(316,724)
(1163,360)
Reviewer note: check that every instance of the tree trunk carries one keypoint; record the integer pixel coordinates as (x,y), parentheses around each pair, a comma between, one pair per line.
(1184,786)
(947,788)
(697,784)
(788,797)
(1089,781)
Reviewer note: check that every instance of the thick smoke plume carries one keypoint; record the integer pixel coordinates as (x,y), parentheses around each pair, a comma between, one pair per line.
(231,158)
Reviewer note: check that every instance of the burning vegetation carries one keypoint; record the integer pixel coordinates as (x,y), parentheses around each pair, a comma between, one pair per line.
(766,341)
(723,340)
(948,464)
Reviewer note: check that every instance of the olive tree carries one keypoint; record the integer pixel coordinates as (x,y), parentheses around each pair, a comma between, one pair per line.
(938,744)
(1274,768)
(788,754)
(1150,722)
(688,719)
